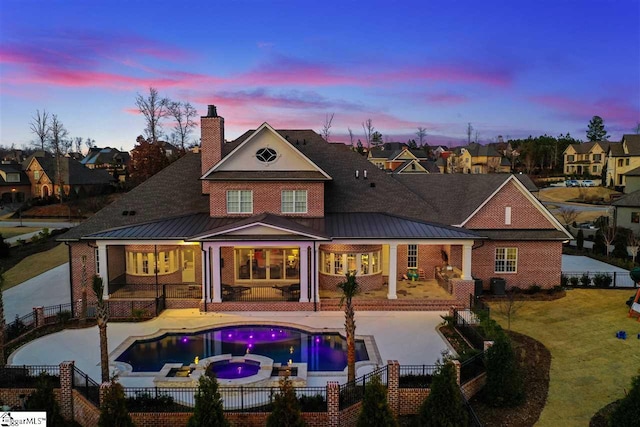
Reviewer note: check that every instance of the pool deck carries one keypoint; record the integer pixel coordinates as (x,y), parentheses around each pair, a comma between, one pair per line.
(409,337)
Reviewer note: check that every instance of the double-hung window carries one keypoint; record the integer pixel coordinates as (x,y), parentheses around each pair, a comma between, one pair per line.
(239,201)
(506,260)
(294,201)
(412,256)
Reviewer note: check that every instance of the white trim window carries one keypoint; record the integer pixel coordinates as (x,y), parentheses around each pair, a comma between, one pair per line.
(294,201)
(412,256)
(97,258)
(506,260)
(239,201)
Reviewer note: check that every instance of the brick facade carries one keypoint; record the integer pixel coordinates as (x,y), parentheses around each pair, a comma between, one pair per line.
(78,250)
(267,197)
(212,138)
(530,266)
(524,215)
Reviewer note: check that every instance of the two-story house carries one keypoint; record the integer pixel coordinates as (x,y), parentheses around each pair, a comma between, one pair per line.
(622,157)
(479,159)
(14,183)
(275,219)
(585,159)
(397,157)
(111,159)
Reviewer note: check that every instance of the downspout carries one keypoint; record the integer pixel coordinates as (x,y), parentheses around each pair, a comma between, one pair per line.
(155,270)
(315,267)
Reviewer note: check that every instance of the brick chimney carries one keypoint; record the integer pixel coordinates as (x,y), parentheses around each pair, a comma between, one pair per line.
(212,140)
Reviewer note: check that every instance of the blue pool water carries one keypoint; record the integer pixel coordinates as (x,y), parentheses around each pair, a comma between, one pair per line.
(321,352)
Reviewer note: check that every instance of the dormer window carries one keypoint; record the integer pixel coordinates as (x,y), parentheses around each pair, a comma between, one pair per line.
(266,155)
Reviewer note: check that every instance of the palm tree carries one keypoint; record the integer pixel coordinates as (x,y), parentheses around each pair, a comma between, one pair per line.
(350,288)
(3,324)
(102,315)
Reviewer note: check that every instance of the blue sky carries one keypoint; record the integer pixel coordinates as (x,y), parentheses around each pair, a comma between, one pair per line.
(511,68)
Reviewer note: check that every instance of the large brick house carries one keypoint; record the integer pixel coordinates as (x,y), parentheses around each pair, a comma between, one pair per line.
(275,219)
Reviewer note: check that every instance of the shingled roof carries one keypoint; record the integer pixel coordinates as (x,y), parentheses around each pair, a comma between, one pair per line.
(73,172)
(628,200)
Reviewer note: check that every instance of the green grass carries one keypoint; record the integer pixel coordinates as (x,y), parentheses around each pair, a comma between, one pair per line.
(8,232)
(590,367)
(35,264)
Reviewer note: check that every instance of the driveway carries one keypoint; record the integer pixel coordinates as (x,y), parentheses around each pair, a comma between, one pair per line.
(49,288)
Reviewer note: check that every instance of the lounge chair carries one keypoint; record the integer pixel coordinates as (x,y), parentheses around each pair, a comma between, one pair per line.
(233,292)
(291,292)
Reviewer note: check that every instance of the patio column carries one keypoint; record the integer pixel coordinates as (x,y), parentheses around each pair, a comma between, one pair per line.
(103,268)
(393,271)
(304,273)
(214,262)
(316,273)
(466,261)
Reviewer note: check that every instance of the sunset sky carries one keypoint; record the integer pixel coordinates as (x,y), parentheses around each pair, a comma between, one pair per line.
(511,68)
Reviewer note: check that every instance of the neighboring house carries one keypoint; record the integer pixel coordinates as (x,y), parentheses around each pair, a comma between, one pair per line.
(627,207)
(275,219)
(393,155)
(14,183)
(76,179)
(585,159)
(111,159)
(622,158)
(478,159)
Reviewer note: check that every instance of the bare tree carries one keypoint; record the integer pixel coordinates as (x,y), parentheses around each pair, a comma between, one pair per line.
(77,142)
(41,128)
(154,109)
(568,215)
(477,137)
(184,115)
(469,132)
(326,127)
(90,143)
(633,244)
(609,234)
(59,144)
(350,137)
(421,134)
(368,128)
(509,307)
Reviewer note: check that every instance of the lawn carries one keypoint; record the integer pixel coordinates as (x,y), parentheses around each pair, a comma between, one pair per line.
(8,232)
(36,264)
(590,367)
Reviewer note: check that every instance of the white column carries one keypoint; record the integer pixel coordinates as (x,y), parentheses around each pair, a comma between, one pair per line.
(205,275)
(216,289)
(316,272)
(304,273)
(466,261)
(393,271)
(104,269)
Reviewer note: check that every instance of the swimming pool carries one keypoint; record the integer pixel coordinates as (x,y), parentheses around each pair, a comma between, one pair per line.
(285,345)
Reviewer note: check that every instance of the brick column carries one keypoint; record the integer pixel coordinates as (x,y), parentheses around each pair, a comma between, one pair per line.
(393,384)
(333,403)
(66,390)
(456,363)
(39,311)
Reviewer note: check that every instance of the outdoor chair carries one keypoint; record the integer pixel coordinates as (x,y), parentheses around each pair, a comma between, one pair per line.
(233,292)
(291,292)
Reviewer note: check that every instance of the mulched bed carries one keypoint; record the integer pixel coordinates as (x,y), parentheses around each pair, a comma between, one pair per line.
(535,362)
(523,296)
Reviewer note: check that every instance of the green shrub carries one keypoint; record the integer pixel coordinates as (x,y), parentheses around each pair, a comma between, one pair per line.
(585,280)
(286,408)
(534,289)
(138,313)
(574,281)
(5,248)
(208,411)
(601,280)
(444,406)
(113,408)
(564,280)
(43,399)
(599,245)
(580,240)
(63,316)
(504,387)
(375,408)
(627,412)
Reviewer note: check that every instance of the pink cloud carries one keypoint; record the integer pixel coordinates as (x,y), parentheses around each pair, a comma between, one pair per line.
(447,98)
(612,110)
(290,99)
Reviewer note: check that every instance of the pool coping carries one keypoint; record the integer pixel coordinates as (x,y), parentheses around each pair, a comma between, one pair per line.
(370,344)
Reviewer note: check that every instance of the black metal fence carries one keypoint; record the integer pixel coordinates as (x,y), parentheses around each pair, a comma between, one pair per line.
(471,368)
(597,279)
(466,321)
(234,399)
(86,386)
(58,313)
(416,376)
(353,392)
(27,376)
(21,325)
(168,290)
(473,419)
(260,293)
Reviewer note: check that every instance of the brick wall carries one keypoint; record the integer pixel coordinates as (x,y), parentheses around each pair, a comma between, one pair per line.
(84,412)
(260,306)
(267,197)
(523,213)
(538,262)
(212,138)
(78,250)
(117,264)
(410,400)
(474,386)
